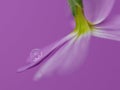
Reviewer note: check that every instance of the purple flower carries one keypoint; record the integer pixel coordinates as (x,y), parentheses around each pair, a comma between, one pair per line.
(67,54)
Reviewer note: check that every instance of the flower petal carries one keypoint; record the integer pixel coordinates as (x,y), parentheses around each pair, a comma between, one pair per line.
(53,63)
(111,23)
(107,34)
(66,59)
(48,53)
(97,10)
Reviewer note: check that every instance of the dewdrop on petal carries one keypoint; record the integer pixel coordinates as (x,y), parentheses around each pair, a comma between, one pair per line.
(35,55)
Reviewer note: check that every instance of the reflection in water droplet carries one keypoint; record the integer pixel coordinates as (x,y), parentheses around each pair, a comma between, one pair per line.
(35,55)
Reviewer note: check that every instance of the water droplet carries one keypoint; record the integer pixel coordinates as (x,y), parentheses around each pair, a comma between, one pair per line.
(35,55)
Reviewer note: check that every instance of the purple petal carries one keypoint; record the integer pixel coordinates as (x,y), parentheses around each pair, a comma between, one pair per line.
(111,23)
(66,59)
(107,34)
(97,10)
(48,53)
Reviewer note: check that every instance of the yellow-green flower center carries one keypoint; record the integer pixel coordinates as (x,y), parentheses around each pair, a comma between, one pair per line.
(82,24)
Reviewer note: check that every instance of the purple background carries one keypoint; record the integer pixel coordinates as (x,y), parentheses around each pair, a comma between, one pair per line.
(28,24)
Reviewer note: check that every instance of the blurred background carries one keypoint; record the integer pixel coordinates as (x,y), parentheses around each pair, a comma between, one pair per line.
(29,24)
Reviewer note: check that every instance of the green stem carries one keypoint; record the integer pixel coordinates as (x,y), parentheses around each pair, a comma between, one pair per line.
(82,25)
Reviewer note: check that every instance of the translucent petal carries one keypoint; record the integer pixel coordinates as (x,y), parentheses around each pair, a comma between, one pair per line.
(97,10)
(107,34)
(46,53)
(66,59)
(111,23)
